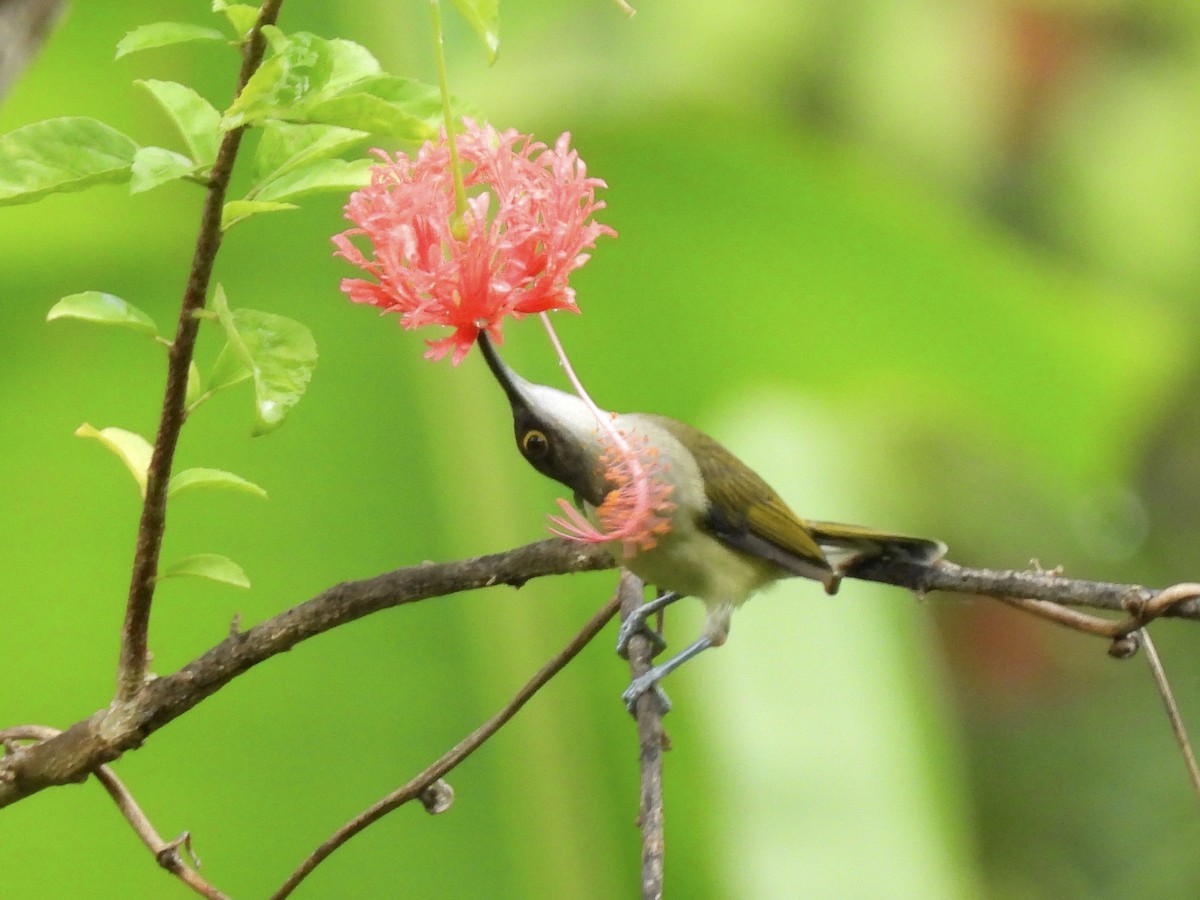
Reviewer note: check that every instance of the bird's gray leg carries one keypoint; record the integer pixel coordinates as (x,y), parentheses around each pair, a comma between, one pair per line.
(635,623)
(649,680)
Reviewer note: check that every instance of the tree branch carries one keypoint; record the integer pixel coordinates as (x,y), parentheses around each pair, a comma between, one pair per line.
(1141,602)
(652,741)
(166,853)
(131,669)
(1172,709)
(102,737)
(431,777)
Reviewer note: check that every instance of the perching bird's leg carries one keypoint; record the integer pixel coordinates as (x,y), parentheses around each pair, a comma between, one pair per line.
(650,679)
(635,623)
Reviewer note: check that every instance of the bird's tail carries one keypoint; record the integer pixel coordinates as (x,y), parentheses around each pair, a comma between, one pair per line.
(852,544)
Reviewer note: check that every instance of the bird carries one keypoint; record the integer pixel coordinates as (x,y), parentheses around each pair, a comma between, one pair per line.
(723,535)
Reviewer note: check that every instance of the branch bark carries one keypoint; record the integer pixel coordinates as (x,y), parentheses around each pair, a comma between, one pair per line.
(131,668)
(1002,584)
(652,741)
(430,780)
(166,853)
(102,737)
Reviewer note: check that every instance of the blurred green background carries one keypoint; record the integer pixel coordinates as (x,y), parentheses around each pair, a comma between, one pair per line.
(928,266)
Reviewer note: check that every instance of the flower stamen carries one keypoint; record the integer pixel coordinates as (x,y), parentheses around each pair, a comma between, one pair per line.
(525,229)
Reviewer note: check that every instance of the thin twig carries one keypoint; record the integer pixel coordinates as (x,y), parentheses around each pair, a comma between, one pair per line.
(166,853)
(1162,603)
(1173,716)
(131,670)
(1062,615)
(1125,633)
(651,743)
(1127,637)
(419,786)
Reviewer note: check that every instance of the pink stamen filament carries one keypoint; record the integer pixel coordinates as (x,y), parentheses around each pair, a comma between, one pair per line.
(576,524)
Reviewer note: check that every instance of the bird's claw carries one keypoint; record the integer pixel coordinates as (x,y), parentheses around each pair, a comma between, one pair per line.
(640,685)
(635,624)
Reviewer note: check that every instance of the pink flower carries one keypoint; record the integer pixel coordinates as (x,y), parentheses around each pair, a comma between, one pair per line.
(526,227)
(636,511)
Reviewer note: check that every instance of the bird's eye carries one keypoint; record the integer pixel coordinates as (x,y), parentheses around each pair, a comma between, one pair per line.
(534,444)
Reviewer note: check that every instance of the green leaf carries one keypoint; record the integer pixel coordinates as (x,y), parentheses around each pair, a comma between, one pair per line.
(335,82)
(285,146)
(190,479)
(241,16)
(212,566)
(484,16)
(279,353)
(371,113)
(132,449)
(397,107)
(229,369)
(322,175)
(194,386)
(238,210)
(66,154)
(196,119)
(163,34)
(154,166)
(107,309)
(350,63)
(300,67)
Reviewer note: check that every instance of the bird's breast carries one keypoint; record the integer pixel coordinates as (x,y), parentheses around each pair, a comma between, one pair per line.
(688,558)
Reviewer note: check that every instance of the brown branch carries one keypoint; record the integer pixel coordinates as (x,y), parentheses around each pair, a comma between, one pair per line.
(652,741)
(1004,584)
(102,737)
(1127,636)
(166,853)
(1172,709)
(421,785)
(131,670)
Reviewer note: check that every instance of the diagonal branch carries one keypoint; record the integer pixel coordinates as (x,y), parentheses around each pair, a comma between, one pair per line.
(1172,709)
(166,853)
(106,734)
(431,777)
(131,669)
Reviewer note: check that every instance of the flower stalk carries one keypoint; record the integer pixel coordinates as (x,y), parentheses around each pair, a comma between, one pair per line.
(439,55)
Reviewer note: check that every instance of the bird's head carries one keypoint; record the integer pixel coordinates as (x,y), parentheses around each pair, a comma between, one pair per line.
(555,431)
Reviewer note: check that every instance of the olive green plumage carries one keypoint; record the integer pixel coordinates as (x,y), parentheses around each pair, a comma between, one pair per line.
(729,532)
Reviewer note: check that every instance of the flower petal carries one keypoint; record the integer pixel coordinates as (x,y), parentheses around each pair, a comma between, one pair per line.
(527,226)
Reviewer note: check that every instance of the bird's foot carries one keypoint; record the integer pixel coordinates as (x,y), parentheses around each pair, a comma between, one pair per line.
(649,680)
(640,685)
(635,623)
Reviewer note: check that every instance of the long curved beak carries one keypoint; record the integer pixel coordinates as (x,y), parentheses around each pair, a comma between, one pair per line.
(514,385)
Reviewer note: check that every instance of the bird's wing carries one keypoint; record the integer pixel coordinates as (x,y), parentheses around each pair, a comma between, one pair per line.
(746,513)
